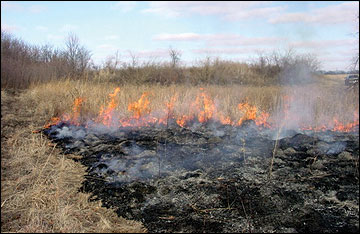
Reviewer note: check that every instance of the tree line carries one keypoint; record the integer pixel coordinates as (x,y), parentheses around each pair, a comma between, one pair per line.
(23,64)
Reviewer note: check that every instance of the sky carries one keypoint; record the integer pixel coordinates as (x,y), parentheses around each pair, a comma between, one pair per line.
(234,30)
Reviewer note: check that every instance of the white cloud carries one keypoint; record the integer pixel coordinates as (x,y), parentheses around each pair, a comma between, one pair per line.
(37,9)
(241,10)
(125,6)
(11,6)
(68,28)
(9,28)
(21,8)
(322,44)
(177,37)
(41,28)
(254,13)
(149,53)
(55,37)
(238,40)
(220,39)
(340,13)
(112,37)
(348,53)
(335,62)
(107,47)
(219,51)
(228,10)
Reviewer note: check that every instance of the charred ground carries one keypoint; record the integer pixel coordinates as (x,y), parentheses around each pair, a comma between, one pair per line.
(215,178)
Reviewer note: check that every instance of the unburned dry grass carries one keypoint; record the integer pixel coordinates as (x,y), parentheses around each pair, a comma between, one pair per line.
(39,189)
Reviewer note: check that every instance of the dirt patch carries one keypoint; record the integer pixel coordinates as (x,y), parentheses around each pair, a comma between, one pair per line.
(215,178)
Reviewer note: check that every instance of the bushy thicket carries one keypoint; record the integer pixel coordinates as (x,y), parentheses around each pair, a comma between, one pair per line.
(23,64)
(271,69)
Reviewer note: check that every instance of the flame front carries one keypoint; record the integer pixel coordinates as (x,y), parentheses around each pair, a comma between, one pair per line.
(338,126)
(201,110)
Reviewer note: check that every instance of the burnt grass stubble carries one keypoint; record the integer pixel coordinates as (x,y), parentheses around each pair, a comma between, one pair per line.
(215,178)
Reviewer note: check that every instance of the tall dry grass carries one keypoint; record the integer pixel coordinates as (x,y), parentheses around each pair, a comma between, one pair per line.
(39,185)
(325,101)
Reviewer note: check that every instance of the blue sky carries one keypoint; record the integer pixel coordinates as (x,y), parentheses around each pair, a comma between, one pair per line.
(235,30)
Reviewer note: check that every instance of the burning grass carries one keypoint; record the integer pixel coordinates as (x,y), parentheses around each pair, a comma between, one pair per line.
(40,185)
(308,107)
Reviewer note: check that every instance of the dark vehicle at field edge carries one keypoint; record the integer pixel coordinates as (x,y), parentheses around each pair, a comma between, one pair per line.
(351,80)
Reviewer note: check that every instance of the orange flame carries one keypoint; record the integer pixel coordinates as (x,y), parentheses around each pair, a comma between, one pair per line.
(168,111)
(338,126)
(105,115)
(226,120)
(206,107)
(261,120)
(184,119)
(53,121)
(202,109)
(249,112)
(140,107)
(74,118)
(76,111)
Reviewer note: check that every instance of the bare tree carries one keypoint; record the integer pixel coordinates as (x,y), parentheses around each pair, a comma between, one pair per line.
(175,56)
(77,56)
(134,59)
(112,62)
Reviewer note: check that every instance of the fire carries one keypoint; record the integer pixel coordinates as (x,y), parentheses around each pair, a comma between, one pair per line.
(169,110)
(248,112)
(53,121)
(184,119)
(338,126)
(140,107)
(105,115)
(205,106)
(73,118)
(76,111)
(202,110)
(262,120)
(226,120)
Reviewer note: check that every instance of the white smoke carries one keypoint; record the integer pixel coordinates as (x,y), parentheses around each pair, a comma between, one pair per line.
(300,93)
(71,131)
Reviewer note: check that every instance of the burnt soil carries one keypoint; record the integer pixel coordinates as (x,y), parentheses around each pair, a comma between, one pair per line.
(214,178)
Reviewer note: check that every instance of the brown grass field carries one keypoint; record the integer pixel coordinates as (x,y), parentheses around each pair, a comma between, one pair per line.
(39,184)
